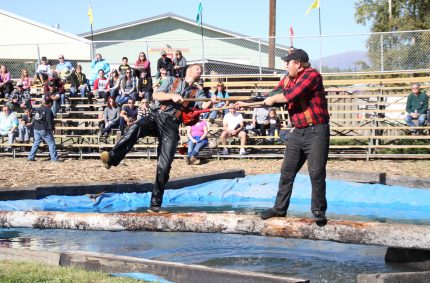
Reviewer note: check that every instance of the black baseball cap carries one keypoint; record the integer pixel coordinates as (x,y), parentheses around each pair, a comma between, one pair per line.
(298,55)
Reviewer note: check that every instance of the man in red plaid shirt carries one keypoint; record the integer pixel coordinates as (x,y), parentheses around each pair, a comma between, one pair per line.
(303,92)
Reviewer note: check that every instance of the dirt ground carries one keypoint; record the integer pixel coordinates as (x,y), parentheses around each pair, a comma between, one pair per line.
(20,173)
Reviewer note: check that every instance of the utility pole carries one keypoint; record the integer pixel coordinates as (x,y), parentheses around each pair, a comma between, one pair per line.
(272,34)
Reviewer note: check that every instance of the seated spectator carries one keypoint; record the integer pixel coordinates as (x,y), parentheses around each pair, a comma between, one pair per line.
(416,107)
(110,118)
(260,120)
(274,124)
(8,125)
(96,65)
(233,126)
(78,81)
(114,85)
(128,115)
(59,85)
(197,140)
(6,86)
(164,62)
(160,80)
(128,88)
(101,86)
(179,65)
(143,63)
(64,68)
(144,85)
(19,100)
(43,127)
(124,67)
(25,128)
(208,94)
(25,80)
(43,71)
(143,109)
(54,96)
(220,92)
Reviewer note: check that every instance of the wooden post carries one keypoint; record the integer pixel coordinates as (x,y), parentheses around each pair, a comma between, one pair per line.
(272,33)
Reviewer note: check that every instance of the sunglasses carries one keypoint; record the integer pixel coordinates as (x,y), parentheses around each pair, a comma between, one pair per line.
(61,58)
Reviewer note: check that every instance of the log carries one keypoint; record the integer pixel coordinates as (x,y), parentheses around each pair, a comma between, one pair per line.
(370,233)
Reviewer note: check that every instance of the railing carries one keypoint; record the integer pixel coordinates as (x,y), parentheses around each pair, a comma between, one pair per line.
(352,53)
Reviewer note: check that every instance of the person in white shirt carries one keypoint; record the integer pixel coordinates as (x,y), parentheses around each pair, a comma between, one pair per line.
(43,70)
(233,126)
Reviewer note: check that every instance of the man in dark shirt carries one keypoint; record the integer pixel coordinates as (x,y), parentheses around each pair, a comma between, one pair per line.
(164,62)
(416,107)
(43,126)
(162,122)
(304,94)
(128,115)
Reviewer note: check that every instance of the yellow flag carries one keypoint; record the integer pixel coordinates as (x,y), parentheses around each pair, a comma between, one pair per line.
(314,5)
(90,14)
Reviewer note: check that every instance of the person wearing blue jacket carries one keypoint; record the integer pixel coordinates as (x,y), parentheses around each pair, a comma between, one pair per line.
(98,64)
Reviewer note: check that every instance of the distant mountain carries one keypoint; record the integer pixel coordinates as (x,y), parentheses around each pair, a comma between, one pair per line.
(343,61)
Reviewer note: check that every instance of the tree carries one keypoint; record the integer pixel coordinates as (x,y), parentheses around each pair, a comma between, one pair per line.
(401,51)
(405,14)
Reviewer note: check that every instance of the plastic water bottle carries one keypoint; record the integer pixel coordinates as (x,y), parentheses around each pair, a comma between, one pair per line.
(276,133)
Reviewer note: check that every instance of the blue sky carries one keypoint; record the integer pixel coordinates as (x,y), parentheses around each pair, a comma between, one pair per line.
(247,17)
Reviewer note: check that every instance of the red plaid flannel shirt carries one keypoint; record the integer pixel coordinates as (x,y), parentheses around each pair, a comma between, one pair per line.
(307,86)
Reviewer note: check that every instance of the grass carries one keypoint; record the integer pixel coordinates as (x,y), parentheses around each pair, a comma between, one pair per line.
(26,272)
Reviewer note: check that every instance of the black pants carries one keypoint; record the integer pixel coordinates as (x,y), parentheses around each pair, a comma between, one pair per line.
(166,129)
(311,144)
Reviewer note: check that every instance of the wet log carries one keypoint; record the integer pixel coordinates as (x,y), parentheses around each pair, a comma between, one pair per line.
(372,233)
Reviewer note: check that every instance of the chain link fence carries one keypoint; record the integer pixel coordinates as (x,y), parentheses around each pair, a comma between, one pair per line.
(375,52)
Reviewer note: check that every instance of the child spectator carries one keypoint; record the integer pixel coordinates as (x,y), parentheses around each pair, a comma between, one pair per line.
(197,140)
(25,128)
(25,80)
(144,85)
(274,124)
(124,67)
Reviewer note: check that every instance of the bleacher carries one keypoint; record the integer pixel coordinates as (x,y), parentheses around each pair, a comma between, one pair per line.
(366,121)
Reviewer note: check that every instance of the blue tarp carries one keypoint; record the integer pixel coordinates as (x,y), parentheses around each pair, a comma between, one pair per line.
(142,276)
(254,192)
